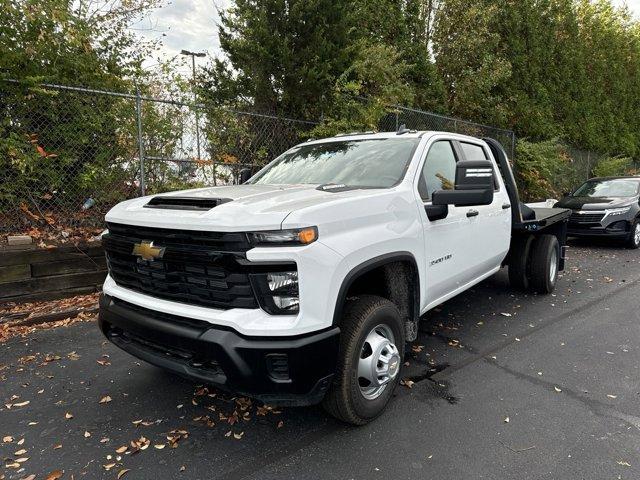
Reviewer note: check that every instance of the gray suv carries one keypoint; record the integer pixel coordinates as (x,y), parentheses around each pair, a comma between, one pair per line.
(605,207)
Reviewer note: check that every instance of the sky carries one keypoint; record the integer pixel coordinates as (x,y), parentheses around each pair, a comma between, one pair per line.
(183,24)
(192,25)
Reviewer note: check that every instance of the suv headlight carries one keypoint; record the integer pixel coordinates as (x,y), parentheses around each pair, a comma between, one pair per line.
(618,211)
(294,236)
(277,292)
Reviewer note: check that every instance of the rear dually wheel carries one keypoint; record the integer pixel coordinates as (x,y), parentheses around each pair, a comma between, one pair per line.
(544,263)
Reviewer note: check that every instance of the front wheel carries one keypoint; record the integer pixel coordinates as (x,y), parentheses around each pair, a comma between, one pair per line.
(633,240)
(370,356)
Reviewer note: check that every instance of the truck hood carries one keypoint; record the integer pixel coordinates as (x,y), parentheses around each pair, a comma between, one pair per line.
(594,203)
(241,208)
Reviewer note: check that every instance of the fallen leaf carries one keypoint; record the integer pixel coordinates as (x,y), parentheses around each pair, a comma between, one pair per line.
(68,416)
(108,466)
(557,389)
(122,472)
(57,447)
(21,441)
(625,464)
(505,314)
(7,439)
(159,446)
(280,424)
(73,356)
(55,475)
(506,420)
(238,436)
(612,396)
(122,449)
(21,404)
(29,477)
(407,383)
(22,460)
(87,434)
(105,399)
(20,452)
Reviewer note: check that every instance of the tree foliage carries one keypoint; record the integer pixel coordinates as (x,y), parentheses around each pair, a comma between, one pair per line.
(54,142)
(567,69)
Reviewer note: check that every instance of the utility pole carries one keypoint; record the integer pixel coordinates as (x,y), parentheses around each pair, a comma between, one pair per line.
(193,56)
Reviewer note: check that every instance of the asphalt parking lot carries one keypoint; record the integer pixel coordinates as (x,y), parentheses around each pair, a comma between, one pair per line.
(499,385)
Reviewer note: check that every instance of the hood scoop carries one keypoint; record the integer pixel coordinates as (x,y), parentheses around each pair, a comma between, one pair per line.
(185,203)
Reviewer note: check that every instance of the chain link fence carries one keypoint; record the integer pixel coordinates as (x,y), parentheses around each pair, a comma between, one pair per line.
(67,154)
(421,120)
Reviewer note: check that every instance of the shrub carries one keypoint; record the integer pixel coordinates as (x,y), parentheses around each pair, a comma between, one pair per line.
(613,166)
(543,169)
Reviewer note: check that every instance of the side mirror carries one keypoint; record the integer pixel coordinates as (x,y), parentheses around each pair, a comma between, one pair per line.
(566,194)
(474,185)
(245,174)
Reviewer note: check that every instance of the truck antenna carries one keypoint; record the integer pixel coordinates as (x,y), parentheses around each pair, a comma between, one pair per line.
(402,130)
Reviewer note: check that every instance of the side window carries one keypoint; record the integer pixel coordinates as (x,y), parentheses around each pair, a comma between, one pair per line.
(473,152)
(439,171)
(476,152)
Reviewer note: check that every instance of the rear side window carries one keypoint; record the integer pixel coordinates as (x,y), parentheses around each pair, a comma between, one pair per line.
(439,171)
(473,152)
(476,152)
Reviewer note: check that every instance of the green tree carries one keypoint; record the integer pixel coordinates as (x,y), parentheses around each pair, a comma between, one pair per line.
(281,56)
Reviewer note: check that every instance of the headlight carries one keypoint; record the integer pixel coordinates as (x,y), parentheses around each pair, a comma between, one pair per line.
(277,292)
(295,236)
(618,211)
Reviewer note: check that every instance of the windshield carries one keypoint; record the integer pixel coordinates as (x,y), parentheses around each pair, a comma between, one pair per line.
(619,187)
(377,163)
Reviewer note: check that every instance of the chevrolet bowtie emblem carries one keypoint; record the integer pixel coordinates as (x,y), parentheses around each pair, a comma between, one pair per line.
(146,251)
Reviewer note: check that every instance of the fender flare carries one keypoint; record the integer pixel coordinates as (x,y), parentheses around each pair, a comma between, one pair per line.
(372,264)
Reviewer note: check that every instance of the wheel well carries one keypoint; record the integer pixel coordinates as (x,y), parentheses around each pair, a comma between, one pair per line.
(395,279)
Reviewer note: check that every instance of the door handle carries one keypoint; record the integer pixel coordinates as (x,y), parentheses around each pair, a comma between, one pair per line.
(505,206)
(473,213)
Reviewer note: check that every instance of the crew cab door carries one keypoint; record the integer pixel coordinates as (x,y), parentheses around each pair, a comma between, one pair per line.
(490,225)
(447,241)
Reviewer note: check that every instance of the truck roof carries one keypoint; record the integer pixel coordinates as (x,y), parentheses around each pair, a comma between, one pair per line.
(380,135)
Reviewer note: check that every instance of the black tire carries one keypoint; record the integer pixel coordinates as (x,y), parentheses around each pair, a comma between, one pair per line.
(345,400)
(519,262)
(632,241)
(543,251)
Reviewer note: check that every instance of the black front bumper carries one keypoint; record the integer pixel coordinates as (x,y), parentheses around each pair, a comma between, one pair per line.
(618,229)
(280,371)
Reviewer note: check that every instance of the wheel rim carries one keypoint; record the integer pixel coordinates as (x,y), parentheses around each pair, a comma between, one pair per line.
(553,266)
(379,362)
(636,234)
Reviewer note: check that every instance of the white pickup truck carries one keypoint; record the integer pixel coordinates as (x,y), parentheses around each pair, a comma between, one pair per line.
(303,284)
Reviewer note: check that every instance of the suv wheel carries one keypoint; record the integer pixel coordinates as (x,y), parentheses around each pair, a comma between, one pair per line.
(545,260)
(370,357)
(633,241)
